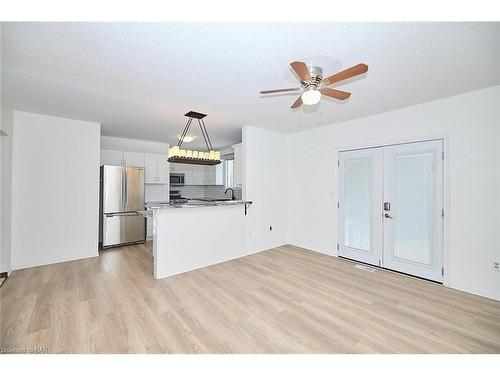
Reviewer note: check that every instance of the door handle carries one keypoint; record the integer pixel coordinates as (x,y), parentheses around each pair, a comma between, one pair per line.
(387,216)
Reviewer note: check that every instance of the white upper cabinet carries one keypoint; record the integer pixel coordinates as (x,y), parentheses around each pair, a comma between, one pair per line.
(238,165)
(219,174)
(163,169)
(156,166)
(150,168)
(209,175)
(115,157)
(196,174)
(198,177)
(156,169)
(187,169)
(111,157)
(134,159)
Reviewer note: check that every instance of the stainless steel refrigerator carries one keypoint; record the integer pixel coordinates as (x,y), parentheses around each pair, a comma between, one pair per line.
(122,195)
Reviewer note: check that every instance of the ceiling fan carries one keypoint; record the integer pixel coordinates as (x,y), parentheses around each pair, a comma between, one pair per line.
(313,85)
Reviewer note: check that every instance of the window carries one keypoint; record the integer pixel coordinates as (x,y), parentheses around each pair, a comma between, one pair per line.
(228,173)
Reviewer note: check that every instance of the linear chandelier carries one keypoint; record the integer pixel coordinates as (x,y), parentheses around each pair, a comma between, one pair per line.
(176,154)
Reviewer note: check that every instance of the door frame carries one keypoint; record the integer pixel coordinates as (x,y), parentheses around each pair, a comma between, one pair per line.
(445,138)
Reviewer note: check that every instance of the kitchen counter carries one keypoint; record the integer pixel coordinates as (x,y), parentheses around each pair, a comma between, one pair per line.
(197,203)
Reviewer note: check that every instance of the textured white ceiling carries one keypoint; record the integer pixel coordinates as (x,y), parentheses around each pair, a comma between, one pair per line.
(138,79)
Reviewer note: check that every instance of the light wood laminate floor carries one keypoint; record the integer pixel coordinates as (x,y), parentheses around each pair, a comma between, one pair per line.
(284,300)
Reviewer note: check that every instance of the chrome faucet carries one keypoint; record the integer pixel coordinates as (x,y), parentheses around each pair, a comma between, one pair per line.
(232,193)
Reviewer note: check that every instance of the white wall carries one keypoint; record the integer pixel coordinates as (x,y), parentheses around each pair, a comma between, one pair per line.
(264,183)
(3,143)
(55,189)
(6,189)
(470,124)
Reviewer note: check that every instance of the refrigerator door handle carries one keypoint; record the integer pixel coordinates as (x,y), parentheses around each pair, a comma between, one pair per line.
(126,188)
(132,213)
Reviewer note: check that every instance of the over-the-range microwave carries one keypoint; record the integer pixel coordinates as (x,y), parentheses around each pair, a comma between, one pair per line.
(177,179)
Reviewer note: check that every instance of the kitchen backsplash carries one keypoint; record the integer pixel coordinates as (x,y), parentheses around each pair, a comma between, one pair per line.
(206,192)
(155,192)
(159,193)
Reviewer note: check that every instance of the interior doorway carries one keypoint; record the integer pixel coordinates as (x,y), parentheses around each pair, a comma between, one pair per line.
(391,207)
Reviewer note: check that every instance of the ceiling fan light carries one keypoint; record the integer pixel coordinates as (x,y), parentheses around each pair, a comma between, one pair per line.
(311,96)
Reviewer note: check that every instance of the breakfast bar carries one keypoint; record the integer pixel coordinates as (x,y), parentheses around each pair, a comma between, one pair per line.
(197,234)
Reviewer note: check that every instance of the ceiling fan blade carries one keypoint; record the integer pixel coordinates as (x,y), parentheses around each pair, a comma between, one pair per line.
(279,90)
(345,74)
(337,94)
(297,103)
(301,69)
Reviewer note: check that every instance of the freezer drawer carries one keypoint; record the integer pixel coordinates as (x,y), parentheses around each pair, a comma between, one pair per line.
(123,228)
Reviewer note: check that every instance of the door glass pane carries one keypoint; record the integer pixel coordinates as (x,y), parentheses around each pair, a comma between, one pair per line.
(358,181)
(412,207)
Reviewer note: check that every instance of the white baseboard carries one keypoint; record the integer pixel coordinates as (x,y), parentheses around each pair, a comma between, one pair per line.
(479,292)
(62,260)
(326,252)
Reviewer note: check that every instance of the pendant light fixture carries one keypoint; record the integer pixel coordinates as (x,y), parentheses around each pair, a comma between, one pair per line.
(176,154)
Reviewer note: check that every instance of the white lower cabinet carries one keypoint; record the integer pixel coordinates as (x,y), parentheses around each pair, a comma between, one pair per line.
(149,227)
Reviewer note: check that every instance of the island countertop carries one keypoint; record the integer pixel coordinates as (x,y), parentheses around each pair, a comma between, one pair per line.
(197,203)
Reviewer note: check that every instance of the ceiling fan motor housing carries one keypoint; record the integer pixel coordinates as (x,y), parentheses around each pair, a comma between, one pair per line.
(316,76)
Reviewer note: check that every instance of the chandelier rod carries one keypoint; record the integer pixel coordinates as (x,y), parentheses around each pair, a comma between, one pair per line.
(205,134)
(183,135)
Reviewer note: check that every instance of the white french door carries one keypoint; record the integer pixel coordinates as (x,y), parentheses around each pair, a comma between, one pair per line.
(390,207)
(360,235)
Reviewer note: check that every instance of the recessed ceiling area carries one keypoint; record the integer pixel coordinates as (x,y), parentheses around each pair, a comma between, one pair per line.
(139,79)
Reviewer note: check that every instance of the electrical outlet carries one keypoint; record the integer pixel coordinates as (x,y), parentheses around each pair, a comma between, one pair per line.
(495,266)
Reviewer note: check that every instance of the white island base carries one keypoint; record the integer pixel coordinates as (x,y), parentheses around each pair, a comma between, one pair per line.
(188,238)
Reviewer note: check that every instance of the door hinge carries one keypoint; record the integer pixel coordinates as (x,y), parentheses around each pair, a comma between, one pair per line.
(338,163)
(442,271)
(337,246)
(442,212)
(338,205)
(442,155)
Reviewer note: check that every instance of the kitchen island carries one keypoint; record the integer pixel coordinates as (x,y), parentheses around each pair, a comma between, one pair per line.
(196,234)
